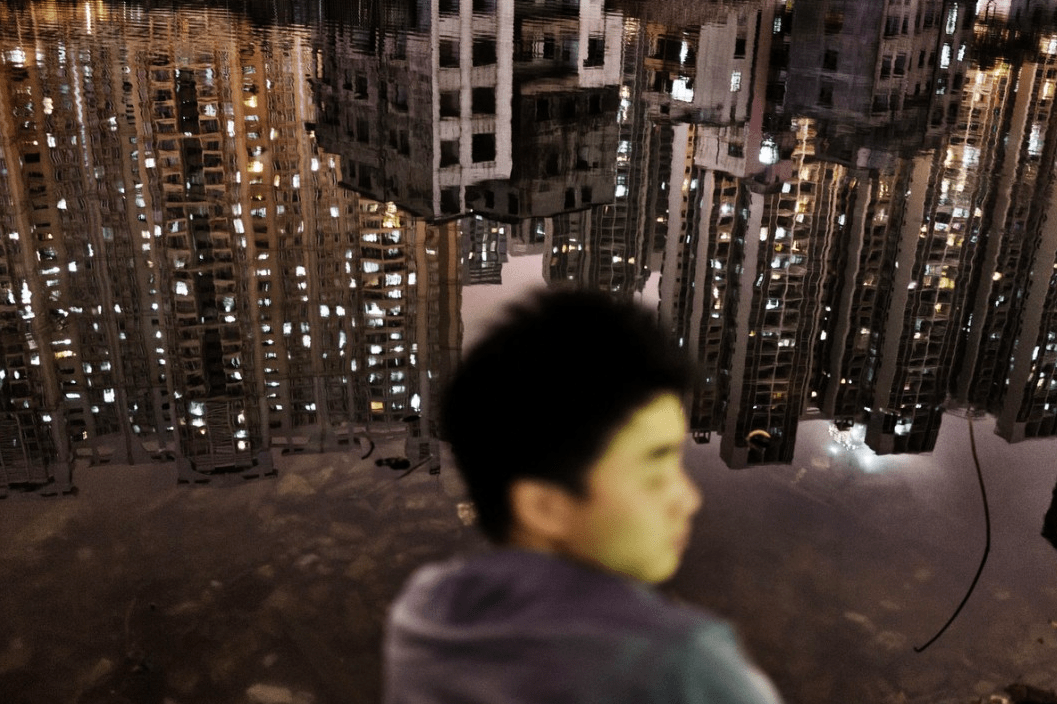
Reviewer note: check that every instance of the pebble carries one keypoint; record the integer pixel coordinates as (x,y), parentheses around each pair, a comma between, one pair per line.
(360,567)
(983,688)
(16,656)
(101,671)
(307,560)
(269,694)
(347,531)
(860,619)
(293,485)
(890,640)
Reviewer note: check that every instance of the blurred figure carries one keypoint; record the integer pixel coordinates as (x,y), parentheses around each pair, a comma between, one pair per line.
(568,428)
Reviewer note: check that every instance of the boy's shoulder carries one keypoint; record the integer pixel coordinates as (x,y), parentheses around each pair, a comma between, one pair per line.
(526,627)
(530,592)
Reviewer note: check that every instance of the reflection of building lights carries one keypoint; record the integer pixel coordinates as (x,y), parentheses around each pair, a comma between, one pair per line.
(769,152)
(850,438)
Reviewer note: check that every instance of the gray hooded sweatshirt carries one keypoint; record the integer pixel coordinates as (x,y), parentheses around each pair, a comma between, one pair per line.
(519,627)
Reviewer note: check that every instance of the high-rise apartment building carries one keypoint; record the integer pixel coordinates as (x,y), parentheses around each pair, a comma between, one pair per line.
(1011,345)
(182,274)
(885,71)
(419,106)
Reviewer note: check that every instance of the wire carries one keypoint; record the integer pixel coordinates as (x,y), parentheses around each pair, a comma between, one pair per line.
(987,545)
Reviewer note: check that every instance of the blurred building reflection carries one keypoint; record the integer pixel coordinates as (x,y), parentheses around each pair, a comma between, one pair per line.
(168,292)
(418,103)
(849,211)
(1012,336)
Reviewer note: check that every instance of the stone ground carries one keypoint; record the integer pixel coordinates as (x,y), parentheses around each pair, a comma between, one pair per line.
(273,591)
(270,590)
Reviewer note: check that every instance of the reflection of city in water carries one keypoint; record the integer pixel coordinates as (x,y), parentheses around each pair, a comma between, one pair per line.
(221,239)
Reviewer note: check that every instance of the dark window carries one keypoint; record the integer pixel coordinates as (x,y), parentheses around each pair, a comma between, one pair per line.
(483,101)
(551,164)
(900,65)
(484,52)
(570,198)
(512,204)
(736,150)
(449,152)
(400,97)
(361,86)
(449,53)
(568,106)
(449,103)
(543,109)
(739,48)
(484,7)
(833,22)
(596,51)
(829,60)
(448,7)
(483,148)
(449,199)
(886,66)
(825,96)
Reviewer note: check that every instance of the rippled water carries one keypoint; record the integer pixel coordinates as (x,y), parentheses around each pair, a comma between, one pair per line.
(228,232)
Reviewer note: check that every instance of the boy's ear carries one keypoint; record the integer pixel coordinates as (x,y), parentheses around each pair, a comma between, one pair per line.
(541,510)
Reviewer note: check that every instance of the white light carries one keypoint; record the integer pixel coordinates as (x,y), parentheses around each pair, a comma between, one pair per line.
(681,90)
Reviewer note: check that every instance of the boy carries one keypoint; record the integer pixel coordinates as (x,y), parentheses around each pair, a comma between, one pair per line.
(567,425)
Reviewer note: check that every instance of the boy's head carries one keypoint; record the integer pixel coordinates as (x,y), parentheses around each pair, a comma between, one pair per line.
(569,390)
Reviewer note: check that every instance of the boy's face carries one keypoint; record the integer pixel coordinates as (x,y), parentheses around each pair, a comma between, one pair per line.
(635,516)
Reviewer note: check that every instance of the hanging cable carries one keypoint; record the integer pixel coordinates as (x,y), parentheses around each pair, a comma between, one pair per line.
(987,544)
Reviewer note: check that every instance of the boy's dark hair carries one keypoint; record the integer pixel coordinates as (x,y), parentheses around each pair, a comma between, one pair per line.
(543,392)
